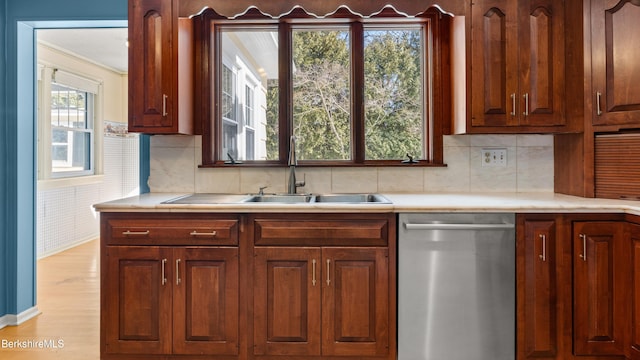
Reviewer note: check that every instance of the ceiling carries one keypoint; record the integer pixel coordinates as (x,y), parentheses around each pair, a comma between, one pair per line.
(104,46)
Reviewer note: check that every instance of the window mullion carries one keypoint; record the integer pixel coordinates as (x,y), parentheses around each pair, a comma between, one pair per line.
(285,78)
(357,92)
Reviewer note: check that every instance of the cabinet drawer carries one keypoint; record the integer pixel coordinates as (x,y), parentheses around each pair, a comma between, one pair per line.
(332,232)
(160,231)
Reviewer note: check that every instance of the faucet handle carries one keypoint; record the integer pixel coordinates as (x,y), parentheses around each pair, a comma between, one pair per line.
(303,182)
(261,192)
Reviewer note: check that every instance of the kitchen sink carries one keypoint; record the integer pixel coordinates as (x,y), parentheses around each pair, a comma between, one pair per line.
(282,198)
(352,198)
(208,198)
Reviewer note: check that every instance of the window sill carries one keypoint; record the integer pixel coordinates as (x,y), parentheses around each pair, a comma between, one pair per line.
(51,184)
(253,164)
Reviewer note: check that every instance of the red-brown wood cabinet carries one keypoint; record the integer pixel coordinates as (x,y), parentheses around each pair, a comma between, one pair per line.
(161,69)
(574,290)
(181,285)
(517,66)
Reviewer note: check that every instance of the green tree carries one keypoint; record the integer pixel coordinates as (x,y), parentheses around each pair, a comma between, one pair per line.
(321,95)
(393,91)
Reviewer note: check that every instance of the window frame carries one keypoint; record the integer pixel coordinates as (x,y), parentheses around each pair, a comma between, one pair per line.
(437,77)
(87,129)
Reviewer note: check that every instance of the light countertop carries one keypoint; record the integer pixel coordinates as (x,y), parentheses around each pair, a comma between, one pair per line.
(429,202)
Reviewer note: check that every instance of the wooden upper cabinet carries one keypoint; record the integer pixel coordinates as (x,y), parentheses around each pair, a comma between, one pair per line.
(160,68)
(517,63)
(601,288)
(615,66)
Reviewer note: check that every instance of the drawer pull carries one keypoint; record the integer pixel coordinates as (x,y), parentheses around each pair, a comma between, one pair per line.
(212,234)
(135,233)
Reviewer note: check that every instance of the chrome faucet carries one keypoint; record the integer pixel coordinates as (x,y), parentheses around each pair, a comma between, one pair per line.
(293,162)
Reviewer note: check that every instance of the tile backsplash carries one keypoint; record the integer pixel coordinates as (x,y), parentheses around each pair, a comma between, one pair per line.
(175,159)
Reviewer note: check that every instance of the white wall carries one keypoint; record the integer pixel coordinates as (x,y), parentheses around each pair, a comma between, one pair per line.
(175,160)
(65,215)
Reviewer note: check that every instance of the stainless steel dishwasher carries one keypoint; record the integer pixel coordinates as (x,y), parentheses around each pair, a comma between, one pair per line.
(456,286)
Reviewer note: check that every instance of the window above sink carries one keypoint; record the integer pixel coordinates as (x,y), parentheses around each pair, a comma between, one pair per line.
(354,89)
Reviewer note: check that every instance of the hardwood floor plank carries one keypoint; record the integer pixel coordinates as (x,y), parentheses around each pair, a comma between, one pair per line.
(69,299)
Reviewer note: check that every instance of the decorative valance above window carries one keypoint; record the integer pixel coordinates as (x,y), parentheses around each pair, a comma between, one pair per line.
(319,8)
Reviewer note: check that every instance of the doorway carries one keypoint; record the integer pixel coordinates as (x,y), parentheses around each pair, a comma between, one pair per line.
(84,152)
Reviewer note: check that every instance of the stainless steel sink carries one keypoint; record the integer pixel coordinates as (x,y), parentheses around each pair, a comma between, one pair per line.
(282,198)
(207,198)
(352,198)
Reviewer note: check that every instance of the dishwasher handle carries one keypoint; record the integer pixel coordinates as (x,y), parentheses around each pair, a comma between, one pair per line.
(449,226)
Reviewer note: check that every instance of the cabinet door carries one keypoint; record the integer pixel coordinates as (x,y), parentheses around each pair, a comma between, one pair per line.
(541,66)
(615,68)
(205,301)
(287,283)
(494,63)
(151,67)
(355,302)
(635,293)
(536,288)
(136,317)
(600,288)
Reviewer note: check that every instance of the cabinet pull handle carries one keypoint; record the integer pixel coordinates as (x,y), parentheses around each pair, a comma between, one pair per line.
(135,233)
(196,233)
(543,256)
(164,277)
(598,100)
(513,104)
(328,272)
(178,280)
(583,256)
(164,105)
(526,104)
(313,276)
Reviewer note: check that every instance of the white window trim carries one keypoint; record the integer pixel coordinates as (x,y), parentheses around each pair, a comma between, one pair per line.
(45,77)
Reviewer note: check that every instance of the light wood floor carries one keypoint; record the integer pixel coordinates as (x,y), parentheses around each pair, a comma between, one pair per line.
(69,299)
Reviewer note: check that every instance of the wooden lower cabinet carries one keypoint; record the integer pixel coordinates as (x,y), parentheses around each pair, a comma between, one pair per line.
(634,348)
(573,287)
(248,287)
(321,301)
(600,288)
(170,300)
(537,291)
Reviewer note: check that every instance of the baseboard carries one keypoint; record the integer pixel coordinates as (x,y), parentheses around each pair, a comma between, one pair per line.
(15,320)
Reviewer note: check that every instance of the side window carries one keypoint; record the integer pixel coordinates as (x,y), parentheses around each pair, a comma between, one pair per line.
(66,132)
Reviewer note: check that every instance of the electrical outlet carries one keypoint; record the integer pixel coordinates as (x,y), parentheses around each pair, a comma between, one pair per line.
(494,157)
